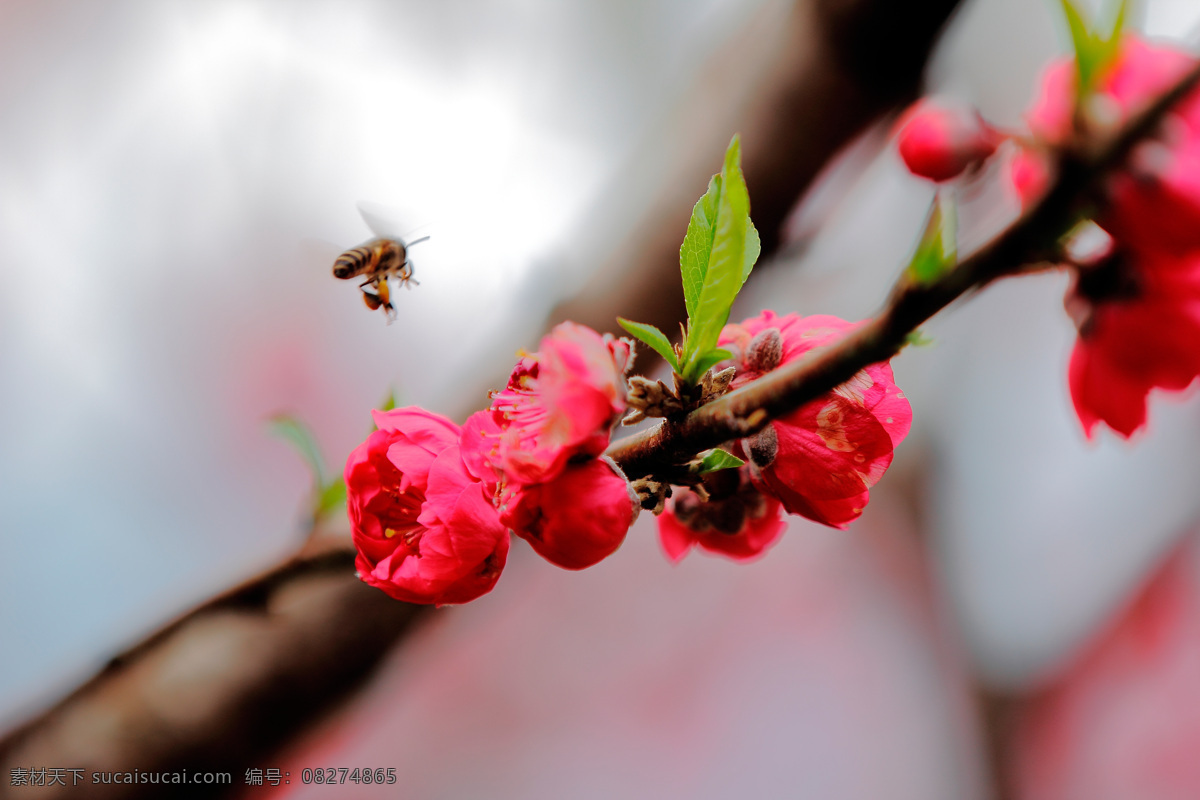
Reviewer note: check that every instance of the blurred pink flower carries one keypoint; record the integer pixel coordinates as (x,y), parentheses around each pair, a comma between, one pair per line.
(1156,202)
(1123,721)
(576,519)
(737,521)
(1027,173)
(821,459)
(1139,329)
(1138,309)
(1140,72)
(560,402)
(424,528)
(940,140)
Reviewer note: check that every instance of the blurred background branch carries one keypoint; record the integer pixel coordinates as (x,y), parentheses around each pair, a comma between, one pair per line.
(835,66)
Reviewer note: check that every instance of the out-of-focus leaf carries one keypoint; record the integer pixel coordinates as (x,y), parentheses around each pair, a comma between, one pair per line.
(652,336)
(301,437)
(937,251)
(733,244)
(718,459)
(1095,51)
(389,402)
(918,338)
(331,498)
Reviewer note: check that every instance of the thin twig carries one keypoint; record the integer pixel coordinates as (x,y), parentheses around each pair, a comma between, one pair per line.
(1079,179)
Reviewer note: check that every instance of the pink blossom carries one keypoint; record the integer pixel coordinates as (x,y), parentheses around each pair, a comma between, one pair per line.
(560,402)
(940,140)
(1138,310)
(1026,173)
(576,519)
(1155,203)
(1139,329)
(737,521)
(1140,72)
(424,527)
(822,459)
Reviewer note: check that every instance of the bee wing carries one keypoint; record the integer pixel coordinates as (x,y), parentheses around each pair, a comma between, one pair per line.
(314,249)
(391,223)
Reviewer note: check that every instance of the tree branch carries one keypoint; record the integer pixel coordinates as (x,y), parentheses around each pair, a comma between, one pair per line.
(1033,237)
(221,688)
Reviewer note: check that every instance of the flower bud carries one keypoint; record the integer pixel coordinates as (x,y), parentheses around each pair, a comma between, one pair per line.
(762,447)
(765,350)
(939,141)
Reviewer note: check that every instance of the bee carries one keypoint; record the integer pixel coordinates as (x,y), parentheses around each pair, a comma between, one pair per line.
(378,260)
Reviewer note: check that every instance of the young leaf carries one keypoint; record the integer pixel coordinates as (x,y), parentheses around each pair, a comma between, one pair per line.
(1094,51)
(918,338)
(706,361)
(937,250)
(389,402)
(1111,43)
(301,437)
(718,459)
(753,249)
(732,244)
(656,339)
(1084,45)
(697,244)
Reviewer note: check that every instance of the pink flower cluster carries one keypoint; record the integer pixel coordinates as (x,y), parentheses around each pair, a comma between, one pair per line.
(432,505)
(1137,307)
(820,461)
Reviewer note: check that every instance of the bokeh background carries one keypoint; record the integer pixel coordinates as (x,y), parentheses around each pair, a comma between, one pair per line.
(177,178)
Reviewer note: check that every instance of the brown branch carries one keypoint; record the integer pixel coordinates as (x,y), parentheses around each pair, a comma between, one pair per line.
(1032,238)
(221,688)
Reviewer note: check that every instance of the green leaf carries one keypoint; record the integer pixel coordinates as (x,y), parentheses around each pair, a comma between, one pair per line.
(331,498)
(389,402)
(705,362)
(937,252)
(1083,43)
(718,459)
(1112,40)
(1094,51)
(301,437)
(917,338)
(656,339)
(753,249)
(697,244)
(733,244)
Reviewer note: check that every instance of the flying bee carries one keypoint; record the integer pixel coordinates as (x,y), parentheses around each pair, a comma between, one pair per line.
(378,261)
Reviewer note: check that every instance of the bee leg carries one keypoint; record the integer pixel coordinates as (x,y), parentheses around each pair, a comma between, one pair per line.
(406,275)
(372,300)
